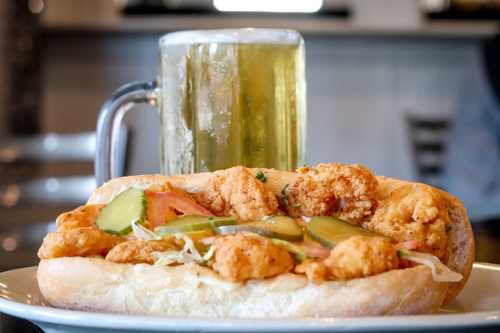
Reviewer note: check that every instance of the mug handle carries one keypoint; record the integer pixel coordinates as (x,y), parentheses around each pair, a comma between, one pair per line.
(109,121)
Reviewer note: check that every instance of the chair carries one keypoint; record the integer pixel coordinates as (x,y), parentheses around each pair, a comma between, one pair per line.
(428,136)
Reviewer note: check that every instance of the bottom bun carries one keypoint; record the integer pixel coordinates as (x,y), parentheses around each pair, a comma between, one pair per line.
(93,284)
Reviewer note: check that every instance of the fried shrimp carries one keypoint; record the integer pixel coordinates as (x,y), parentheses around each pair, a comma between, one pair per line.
(346,191)
(414,212)
(236,192)
(314,270)
(140,251)
(79,242)
(83,216)
(361,256)
(242,257)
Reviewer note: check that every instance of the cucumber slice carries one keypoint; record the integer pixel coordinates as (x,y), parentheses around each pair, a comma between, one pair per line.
(329,231)
(118,215)
(193,223)
(300,255)
(281,227)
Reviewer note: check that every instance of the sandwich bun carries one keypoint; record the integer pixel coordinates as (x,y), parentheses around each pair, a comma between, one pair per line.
(93,284)
(190,290)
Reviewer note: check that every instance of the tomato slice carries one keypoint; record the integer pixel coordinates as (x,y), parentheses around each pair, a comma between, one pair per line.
(158,211)
(162,207)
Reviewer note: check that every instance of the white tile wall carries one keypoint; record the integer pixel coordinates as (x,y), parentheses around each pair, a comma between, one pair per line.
(359,89)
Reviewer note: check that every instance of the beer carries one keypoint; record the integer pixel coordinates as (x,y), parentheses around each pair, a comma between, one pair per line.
(229,99)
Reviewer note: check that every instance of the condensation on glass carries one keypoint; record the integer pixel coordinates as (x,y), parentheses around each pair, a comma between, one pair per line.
(226,97)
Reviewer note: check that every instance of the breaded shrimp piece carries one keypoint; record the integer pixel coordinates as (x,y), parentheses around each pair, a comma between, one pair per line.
(83,216)
(236,192)
(314,270)
(140,251)
(79,242)
(308,196)
(346,191)
(414,212)
(242,257)
(361,256)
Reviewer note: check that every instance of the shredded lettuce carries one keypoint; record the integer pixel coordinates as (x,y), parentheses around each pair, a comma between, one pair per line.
(142,233)
(440,272)
(207,256)
(171,257)
(188,254)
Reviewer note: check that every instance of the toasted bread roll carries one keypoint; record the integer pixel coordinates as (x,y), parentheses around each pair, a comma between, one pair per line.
(193,291)
(190,290)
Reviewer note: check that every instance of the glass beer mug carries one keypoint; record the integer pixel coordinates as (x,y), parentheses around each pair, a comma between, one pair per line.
(225,97)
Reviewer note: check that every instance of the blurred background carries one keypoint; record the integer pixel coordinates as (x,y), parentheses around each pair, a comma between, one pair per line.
(409,88)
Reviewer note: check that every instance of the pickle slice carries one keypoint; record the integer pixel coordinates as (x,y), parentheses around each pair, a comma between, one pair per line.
(195,236)
(125,208)
(281,227)
(299,253)
(193,223)
(198,235)
(329,231)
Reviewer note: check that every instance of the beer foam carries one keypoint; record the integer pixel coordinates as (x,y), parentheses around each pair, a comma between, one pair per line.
(240,36)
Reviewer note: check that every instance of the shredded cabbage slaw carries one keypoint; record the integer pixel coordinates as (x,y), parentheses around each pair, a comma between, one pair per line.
(440,272)
(188,254)
(143,233)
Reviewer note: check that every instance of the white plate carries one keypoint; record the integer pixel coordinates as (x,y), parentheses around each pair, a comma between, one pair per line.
(478,306)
